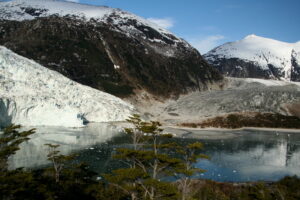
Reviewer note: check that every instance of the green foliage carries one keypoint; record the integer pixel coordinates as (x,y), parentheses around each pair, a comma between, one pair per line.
(58,160)
(163,190)
(77,182)
(10,140)
(287,188)
(127,180)
(147,162)
(189,156)
(151,159)
(34,185)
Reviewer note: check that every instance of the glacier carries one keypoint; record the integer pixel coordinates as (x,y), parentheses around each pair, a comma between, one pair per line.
(32,95)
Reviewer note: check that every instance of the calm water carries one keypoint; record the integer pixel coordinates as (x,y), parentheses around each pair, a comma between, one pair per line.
(234,155)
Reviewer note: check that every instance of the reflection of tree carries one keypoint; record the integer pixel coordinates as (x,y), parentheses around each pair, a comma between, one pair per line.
(291,148)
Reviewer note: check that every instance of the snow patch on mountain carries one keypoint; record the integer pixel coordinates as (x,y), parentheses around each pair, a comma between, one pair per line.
(33,95)
(259,50)
(270,82)
(30,9)
(20,10)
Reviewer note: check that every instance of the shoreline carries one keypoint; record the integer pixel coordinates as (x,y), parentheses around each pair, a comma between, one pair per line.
(212,132)
(237,129)
(219,133)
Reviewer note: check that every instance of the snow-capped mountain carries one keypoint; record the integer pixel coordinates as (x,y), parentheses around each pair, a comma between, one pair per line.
(33,95)
(21,10)
(257,57)
(105,48)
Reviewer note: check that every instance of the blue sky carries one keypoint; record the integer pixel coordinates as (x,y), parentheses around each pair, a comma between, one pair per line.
(208,23)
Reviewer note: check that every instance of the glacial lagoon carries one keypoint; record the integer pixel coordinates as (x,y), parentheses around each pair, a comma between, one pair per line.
(235,155)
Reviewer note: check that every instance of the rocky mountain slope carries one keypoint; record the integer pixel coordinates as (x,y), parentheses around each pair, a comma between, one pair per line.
(32,95)
(237,96)
(257,57)
(105,48)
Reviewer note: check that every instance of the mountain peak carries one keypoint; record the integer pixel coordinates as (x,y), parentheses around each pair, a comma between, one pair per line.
(261,57)
(251,36)
(93,43)
(20,10)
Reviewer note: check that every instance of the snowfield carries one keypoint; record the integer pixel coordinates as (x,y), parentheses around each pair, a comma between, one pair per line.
(262,51)
(19,9)
(32,95)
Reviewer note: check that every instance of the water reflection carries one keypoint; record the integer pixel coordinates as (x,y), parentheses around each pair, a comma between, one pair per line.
(234,155)
(246,156)
(33,153)
(253,156)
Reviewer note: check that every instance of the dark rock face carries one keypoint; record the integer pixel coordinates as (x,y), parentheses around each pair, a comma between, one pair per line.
(98,55)
(235,67)
(295,75)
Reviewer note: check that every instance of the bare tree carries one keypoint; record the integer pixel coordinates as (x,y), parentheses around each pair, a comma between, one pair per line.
(58,160)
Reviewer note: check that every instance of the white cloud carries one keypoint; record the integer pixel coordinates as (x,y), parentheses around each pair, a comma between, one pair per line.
(163,22)
(207,43)
(76,1)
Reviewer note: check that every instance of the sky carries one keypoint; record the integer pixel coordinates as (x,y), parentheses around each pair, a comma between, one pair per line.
(209,23)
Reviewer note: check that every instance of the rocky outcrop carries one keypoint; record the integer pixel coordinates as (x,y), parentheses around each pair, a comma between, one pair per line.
(235,67)
(295,66)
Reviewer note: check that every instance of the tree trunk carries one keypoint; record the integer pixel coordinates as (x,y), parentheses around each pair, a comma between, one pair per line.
(56,177)
(184,185)
(133,196)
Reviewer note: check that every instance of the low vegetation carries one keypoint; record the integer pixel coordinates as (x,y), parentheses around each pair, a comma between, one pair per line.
(285,189)
(252,119)
(149,160)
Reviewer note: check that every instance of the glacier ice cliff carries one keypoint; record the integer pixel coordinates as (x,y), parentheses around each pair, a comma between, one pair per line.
(32,95)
